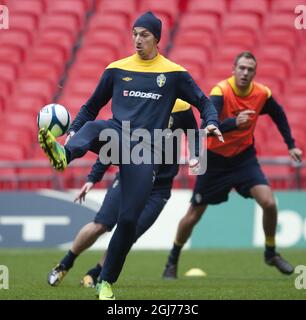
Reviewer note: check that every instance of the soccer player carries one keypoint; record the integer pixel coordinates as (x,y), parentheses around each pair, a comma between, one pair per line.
(181,118)
(239,101)
(143,88)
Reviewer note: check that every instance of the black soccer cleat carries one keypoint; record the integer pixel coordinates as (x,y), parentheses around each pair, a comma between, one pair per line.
(280,263)
(170,272)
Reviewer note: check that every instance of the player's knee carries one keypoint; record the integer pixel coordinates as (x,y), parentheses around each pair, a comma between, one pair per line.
(195,213)
(127,223)
(268,203)
(99,228)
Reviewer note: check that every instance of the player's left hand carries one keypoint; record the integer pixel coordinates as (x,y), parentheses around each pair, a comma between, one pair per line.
(82,194)
(213,130)
(296,154)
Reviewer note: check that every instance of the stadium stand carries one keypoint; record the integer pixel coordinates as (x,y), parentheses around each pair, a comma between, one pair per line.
(204,36)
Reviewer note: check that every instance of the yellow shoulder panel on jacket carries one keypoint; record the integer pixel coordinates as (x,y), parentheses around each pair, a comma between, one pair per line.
(216,91)
(157,65)
(180,105)
(269,92)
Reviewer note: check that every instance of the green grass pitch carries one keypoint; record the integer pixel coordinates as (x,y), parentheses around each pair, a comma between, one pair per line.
(231,274)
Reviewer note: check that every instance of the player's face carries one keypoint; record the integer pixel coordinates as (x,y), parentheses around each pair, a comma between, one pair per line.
(145,43)
(244,72)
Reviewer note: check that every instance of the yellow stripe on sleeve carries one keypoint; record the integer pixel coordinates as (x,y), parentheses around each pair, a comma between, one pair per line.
(216,91)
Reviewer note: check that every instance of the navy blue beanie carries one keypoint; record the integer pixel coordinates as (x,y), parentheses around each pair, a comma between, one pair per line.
(151,23)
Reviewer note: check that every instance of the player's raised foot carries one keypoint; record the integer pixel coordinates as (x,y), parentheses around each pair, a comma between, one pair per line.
(55,152)
(280,263)
(56,275)
(170,272)
(105,291)
(88,281)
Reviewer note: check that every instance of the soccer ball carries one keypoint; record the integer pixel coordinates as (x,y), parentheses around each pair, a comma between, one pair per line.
(55,118)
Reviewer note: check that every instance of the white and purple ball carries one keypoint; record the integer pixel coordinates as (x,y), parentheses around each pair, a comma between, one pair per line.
(54,117)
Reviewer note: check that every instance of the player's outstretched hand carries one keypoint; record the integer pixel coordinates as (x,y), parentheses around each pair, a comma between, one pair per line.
(244,118)
(82,194)
(71,133)
(296,154)
(212,130)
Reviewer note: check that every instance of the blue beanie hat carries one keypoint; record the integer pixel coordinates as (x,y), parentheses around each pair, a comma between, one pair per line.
(151,23)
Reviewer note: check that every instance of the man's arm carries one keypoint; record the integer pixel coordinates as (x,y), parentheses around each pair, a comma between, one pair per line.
(228,124)
(276,112)
(190,92)
(97,171)
(278,115)
(95,175)
(100,97)
(188,121)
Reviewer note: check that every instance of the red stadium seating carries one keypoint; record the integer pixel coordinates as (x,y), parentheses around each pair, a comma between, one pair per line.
(168,9)
(207,83)
(60,22)
(9,151)
(220,69)
(275,85)
(73,8)
(119,7)
(108,21)
(88,70)
(73,102)
(1,104)
(51,38)
(285,6)
(96,54)
(106,38)
(8,178)
(23,22)
(297,86)
(10,55)
(272,69)
(214,7)
(35,88)
(8,72)
(258,7)
(41,70)
(228,53)
(17,137)
(278,29)
(49,54)
(296,102)
(28,104)
(199,21)
(236,36)
(195,55)
(191,38)
(82,87)
(32,8)
(239,21)
(16,39)
(278,54)
(38,51)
